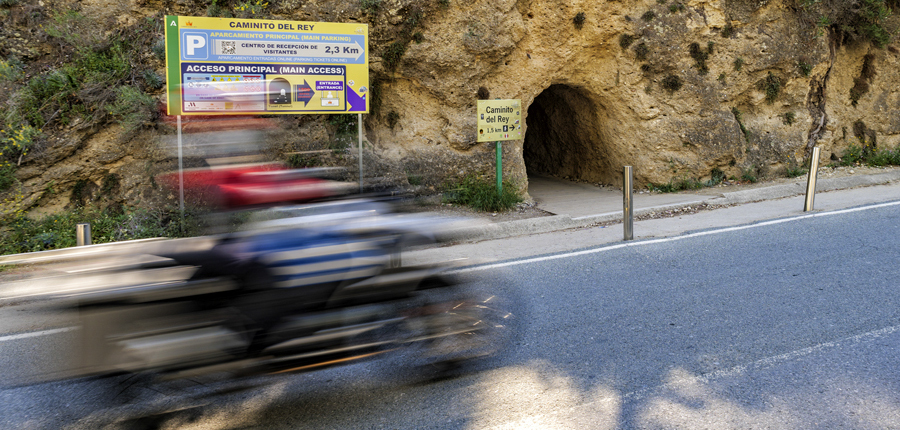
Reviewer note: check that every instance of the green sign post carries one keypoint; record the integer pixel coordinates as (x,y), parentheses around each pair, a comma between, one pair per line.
(499,120)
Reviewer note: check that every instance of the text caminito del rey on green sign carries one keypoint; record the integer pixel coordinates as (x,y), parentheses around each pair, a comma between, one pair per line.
(499,120)
(239,66)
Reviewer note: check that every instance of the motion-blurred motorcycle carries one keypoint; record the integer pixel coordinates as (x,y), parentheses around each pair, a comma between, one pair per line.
(304,287)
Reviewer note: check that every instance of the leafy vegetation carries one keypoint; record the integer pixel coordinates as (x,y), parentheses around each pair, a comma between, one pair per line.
(481,194)
(738,117)
(727,31)
(672,83)
(861,82)
(302,161)
(250,8)
(370,7)
(58,231)
(578,20)
(793,169)
(393,53)
(676,185)
(862,20)
(132,108)
(749,174)
(771,85)
(15,142)
(700,56)
(716,177)
(641,51)
(625,40)
(788,118)
(392,119)
(10,71)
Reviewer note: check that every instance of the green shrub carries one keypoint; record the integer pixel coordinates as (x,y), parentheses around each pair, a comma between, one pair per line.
(626,40)
(672,83)
(648,16)
(861,82)
(10,71)
(132,108)
(578,20)
(481,194)
(392,119)
(788,118)
(716,177)
(700,56)
(7,174)
(738,64)
(15,142)
(641,51)
(676,185)
(749,175)
(727,31)
(853,155)
(370,7)
(771,85)
(393,54)
(58,231)
(793,170)
(860,154)
(73,28)
(301,161)
(864,20)
(250,8)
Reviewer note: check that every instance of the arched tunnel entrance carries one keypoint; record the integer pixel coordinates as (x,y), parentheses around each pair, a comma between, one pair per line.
(565,136)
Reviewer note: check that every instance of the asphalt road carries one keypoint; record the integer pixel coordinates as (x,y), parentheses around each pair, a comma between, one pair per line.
(792,323)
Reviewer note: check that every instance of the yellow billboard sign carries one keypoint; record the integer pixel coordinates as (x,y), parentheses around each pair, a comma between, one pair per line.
(240,66)
(499,120)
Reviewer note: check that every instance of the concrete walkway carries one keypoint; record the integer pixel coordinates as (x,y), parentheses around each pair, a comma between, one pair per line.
(577,199)
(560,233)
(577,205)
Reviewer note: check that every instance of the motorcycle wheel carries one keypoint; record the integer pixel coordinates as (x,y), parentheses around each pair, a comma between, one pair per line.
(457,327)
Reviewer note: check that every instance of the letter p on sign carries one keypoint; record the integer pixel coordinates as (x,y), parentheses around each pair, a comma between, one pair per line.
(195,46)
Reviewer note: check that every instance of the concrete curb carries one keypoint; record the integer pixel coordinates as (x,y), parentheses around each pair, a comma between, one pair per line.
(565,222)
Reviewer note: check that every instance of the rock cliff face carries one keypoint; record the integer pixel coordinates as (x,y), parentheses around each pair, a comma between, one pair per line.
(673,89)
(676,89)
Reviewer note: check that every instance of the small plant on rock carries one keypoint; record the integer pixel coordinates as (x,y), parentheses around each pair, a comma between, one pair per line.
(672,83)
(578,20)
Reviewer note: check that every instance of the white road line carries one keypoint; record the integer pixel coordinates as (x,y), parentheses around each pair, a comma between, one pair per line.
(36,333)
(670,239)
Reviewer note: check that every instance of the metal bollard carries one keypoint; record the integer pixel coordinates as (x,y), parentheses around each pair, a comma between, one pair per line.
(628,205)
(811,180)
(82,234)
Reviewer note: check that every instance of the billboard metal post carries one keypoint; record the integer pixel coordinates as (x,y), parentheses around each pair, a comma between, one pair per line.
(360,135)
(180,175)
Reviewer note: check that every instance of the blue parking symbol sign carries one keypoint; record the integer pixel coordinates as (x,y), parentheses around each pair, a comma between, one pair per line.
(194,46)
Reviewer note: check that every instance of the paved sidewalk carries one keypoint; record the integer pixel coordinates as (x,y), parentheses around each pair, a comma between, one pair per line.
(490,242)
